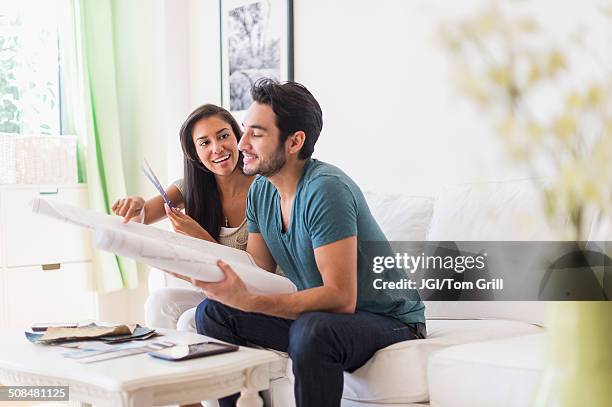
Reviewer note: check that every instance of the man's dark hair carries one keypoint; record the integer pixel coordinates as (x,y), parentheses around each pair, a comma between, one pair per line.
(295,109)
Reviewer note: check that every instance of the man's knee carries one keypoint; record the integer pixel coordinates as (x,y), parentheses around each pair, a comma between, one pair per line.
(309,337)
(209,316)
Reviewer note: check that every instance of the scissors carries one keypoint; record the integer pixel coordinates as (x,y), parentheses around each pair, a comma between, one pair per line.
(148,172)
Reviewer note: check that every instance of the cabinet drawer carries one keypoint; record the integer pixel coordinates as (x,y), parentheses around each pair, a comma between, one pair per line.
(34,295)
(35,239)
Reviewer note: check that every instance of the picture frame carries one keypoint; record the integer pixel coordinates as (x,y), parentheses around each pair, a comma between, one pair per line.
(256,42)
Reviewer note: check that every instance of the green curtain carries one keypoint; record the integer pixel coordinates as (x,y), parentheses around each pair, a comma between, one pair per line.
(94,36)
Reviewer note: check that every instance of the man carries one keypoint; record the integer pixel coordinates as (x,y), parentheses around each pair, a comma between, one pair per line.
(312,220)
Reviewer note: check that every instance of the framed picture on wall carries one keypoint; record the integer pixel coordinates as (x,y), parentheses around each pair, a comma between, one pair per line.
(256,42)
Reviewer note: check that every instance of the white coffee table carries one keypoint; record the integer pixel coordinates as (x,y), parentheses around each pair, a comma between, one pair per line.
(138,380)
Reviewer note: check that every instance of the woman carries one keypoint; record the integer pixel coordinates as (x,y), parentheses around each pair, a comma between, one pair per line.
(213,193)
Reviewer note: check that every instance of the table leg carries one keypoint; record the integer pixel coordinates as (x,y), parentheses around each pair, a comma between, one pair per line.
(249,398)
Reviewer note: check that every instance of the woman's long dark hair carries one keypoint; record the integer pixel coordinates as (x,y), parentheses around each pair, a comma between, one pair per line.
(200,191)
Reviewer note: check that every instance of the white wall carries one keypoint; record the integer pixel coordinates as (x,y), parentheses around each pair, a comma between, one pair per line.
(391,119)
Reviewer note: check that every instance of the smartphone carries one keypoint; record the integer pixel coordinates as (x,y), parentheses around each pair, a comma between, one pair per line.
(195,350)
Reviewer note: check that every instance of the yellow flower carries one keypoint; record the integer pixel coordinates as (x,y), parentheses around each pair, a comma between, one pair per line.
(519,153)
(556,62)
(527,25)
(535,74)
(535,131)
(507,127)
(485,23)
(594,95)
(565,126)
(590,191)
(449,39)
(500,75)
(469,84)
(602,150)
(574,100)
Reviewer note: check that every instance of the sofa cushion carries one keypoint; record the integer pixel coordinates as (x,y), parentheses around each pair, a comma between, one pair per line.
(533,312)
(398,373)
(401,217)
(501,373)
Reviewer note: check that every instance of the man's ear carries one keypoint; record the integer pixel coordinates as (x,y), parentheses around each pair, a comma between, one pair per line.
(295,142)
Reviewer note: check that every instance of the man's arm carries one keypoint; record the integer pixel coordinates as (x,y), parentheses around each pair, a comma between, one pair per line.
(337,263)
(258,249)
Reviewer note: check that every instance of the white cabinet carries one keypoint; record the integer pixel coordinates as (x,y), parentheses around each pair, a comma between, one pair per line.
(37,295)
(46,273)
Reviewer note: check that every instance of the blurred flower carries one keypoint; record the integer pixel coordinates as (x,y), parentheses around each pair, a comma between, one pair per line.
(535,73)
(594,95)
(513,69)
(565,125)
(472,86)
(507,127)
(535,131)
(527,25)
(556,62)
(485,23)
(500,75)
(574,100)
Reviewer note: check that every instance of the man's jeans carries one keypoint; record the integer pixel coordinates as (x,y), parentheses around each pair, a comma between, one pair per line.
(322,345)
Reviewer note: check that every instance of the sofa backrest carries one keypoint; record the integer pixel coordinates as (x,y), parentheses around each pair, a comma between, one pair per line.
(492,211)
(489,211)
(401,217)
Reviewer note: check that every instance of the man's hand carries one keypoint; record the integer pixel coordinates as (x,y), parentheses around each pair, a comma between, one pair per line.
(231,291)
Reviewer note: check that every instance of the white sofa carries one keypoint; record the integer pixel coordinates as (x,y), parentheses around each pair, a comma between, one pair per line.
(476,353)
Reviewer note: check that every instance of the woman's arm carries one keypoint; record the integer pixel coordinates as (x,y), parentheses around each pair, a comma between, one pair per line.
(131,208)
(154,207)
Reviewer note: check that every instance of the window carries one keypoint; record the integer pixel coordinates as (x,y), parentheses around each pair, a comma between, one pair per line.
(30,82)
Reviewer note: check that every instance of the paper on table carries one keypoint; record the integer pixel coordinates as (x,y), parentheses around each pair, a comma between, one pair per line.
(166,250)
(89,331)
(102,356)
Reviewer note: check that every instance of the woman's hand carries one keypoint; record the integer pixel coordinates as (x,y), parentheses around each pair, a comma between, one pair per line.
(130,207)
(185,224)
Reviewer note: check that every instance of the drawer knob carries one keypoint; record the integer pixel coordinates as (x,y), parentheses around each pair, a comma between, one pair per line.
(51,267)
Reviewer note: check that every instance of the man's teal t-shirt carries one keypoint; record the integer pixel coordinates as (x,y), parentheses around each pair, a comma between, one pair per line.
(328,206)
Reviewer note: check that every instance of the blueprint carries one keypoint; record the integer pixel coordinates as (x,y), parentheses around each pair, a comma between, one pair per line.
(165,250)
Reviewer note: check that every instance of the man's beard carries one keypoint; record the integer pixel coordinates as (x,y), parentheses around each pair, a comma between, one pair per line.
(270,166)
